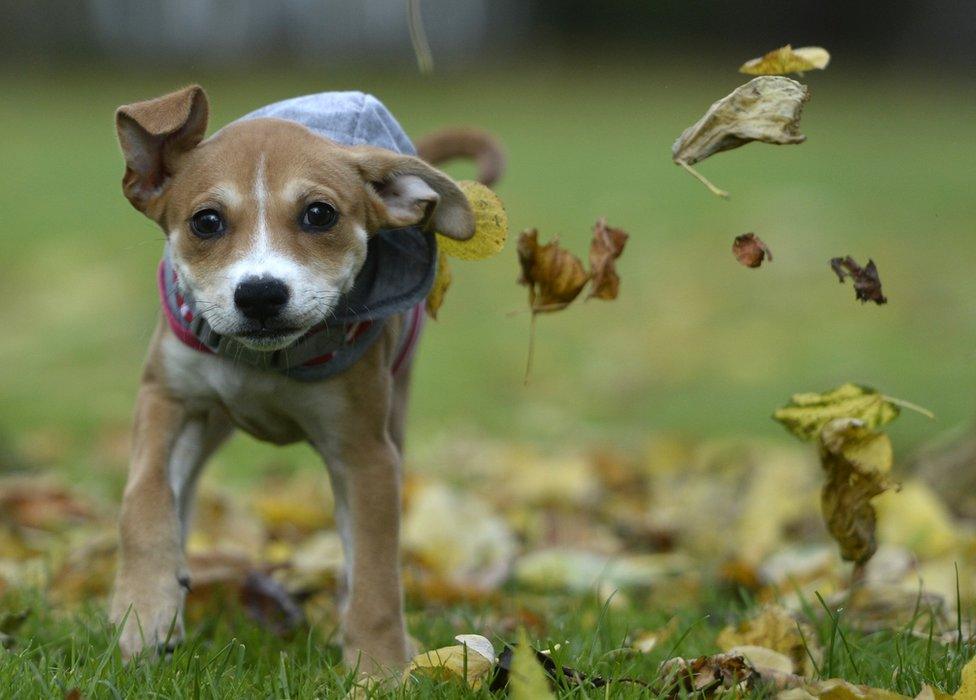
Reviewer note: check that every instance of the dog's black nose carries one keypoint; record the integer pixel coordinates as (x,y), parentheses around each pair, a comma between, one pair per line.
(261,298)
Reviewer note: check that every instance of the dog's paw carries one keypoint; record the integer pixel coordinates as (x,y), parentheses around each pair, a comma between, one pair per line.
(150,617)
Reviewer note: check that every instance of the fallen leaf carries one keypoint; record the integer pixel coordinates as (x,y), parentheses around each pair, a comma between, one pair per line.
(554,276)
(708,674)
(775,628)
(967,686)
(786,59)
(867,283)
(607,245)
(765,109)
(764,660)
(838,689)
(648,641)
(857,461)
(442,282)
(470,661)
(871,608)
(457,537)
(808,413)
(750,250)
(527,679)
(490,225)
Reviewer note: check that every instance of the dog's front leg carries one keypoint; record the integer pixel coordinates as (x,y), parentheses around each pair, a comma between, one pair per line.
(366,483)
(149,586)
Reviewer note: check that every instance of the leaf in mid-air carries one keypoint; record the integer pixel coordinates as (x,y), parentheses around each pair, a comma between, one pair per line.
(607,245)
(750,250)
(765,109)
(867,283)
(435,297)
(554,276)
(490,225)
(808,413)
(856,461)
(786,59)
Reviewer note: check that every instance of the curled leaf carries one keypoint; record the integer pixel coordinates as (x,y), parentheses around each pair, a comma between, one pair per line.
(765,109)
(750,250)
(490,225)
(867,283)
(808,413)
(435,298)
(470,662)
(857,461)
(554,276)
(786,59)
(607,245)
(708,674)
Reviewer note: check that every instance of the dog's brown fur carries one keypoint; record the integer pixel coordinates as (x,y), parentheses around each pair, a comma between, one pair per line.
(189,402)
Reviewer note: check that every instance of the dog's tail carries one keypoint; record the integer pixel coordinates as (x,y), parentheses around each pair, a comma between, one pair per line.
(462,142)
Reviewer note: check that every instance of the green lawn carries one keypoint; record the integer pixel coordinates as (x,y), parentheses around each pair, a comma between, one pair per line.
(695,344)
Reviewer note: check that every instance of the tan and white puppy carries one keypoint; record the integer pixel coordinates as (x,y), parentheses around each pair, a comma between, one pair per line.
(268,224)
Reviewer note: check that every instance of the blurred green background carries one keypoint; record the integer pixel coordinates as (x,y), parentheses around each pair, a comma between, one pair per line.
(696,343)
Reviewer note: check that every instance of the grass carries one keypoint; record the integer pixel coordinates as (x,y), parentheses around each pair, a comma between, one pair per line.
(229,656)
(695,344)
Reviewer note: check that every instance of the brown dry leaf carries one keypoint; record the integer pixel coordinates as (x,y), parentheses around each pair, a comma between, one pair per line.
(786,59)
(867,283)
(442,282)
(777,629)
(765,109)
(750,250)
(554,276)
(872,607)
(607,245)
(30,503)
(857,461)
(710,675)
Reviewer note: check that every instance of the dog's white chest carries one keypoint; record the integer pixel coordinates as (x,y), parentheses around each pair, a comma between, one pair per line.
(265,404)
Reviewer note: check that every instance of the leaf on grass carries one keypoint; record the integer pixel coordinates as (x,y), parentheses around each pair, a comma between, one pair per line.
(765,109)
(867,283)
(490,225)
(838,689)
(607,245)
(435,298)
(809,412)
(774,627)
(708,674)
(527,679)
(470,662)
(967,688)
(554,276)
(857,461)
(786,59)
(750,250)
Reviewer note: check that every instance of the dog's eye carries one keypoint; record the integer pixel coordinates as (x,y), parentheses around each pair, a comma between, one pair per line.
(319,216)
(207,223)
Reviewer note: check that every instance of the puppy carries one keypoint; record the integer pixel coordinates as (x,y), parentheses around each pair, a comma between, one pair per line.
(299,251)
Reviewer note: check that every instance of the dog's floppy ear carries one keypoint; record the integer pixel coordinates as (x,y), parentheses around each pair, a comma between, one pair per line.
(405,191)
(153,134)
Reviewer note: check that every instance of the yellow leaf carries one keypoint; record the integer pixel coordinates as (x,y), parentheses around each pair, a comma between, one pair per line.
(765,109)
(469,661)
(786,59)
(441,284)
(967,689)
(490,228)
(764,659)
(856,461)
(808,413)
(838,689)
(527,679)
(777,629)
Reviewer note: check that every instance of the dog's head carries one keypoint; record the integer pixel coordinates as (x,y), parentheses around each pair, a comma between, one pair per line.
(267,221)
